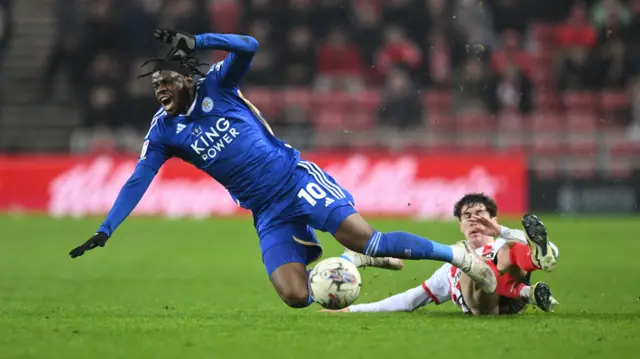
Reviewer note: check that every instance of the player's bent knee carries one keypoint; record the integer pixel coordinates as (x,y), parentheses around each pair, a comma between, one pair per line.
(295,297)
(290,281)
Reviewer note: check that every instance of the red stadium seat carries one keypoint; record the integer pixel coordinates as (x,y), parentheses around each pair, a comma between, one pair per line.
(510,122)
(582,102)
(616,109)
(545,100)
(475,142)
(358,121)
(612,100)
(580,122)
(329,120)
(583,145)
(439,143)
(623,147)
(361,109)
(269,102)
(437,101)
(581,167)
(476,122)
(439,123)
(545,122)
(225,16)
(546,144)
(511,129)
(368,100)
(546,167)
(297,97)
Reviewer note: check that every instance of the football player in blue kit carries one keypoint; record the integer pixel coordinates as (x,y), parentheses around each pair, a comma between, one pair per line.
(208,123)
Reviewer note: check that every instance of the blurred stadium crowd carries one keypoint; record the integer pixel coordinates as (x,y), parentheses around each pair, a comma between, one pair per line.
(556,78)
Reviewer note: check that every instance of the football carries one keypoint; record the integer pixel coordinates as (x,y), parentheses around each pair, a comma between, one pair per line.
(335,283)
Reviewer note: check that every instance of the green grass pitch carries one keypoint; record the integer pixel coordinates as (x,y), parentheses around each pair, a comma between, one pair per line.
(197,289)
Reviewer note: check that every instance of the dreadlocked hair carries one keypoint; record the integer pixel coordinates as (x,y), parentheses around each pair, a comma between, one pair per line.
(175,60)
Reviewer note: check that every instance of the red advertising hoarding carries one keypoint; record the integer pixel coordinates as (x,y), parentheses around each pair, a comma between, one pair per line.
(412,185)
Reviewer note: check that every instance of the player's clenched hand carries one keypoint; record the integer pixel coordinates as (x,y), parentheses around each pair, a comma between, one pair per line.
(98,240)
(487,226)
(180,40)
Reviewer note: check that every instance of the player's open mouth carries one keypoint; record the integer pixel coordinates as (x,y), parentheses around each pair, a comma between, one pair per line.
(165,100)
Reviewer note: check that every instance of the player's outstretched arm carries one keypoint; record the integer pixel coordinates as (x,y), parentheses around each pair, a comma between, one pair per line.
(128,198)
(241,50)
(493,229)
(241,45)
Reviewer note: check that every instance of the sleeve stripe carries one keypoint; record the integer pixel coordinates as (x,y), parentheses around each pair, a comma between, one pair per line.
(428,291)
(159,112)
(154,121)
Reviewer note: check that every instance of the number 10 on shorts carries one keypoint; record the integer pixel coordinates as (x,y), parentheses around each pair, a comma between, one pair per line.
(312,193)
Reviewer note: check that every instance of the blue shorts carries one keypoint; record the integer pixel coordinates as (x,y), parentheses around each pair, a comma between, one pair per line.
(286,226)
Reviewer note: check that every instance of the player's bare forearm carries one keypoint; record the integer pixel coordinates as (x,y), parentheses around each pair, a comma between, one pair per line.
(239,44)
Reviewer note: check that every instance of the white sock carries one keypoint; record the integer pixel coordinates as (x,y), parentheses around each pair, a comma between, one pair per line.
(355,259)
(525,292)
(458,255)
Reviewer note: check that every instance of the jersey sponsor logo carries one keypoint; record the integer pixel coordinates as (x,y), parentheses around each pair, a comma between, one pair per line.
(180,127)
(215,139)
(207,105)
(143,153)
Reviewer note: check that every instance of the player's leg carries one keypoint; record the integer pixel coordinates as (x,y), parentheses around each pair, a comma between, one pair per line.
(513,262)
(329,207)
(356,234)
(515,258)
(287,249)
(541,253)
(476,300)
(290,282)
(513,292)
(538,294)
(319,194)
(362,261)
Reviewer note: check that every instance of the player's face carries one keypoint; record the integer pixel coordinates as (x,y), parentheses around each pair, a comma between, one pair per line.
(472,231)
(172,91)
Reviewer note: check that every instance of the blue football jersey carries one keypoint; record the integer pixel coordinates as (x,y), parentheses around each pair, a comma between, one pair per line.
(224,135)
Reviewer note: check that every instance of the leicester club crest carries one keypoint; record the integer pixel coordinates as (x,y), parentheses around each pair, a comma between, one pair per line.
(207,104)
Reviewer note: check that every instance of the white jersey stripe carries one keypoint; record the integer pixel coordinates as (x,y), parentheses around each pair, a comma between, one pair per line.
(322,174)
(320,181)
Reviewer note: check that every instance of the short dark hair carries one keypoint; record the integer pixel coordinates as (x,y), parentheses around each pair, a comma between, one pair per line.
(475,198)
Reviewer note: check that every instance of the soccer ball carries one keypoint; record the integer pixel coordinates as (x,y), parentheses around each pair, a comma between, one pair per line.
(335,283)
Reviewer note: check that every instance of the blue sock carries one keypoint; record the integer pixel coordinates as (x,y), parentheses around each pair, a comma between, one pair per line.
(405,245)
(309,299)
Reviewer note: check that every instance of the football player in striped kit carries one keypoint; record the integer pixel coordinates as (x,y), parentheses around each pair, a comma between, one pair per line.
(513,255)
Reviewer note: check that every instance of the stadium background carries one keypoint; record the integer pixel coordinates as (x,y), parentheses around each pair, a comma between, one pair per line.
(408,103)
(551,84)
